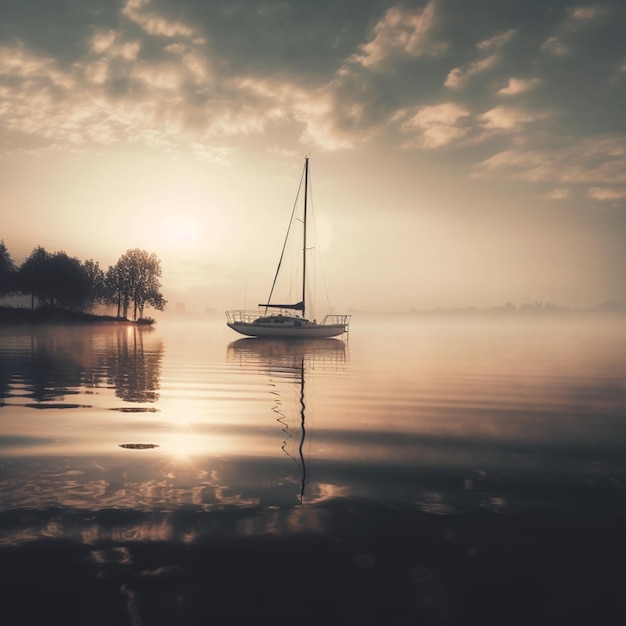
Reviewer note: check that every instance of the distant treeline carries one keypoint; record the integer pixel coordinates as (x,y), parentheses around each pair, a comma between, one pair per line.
(610,307)
(60,281)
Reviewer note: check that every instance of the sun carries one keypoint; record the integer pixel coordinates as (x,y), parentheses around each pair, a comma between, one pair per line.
(179,231)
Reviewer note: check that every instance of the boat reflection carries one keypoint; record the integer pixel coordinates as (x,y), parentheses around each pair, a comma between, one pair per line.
(292,361)
(284,356)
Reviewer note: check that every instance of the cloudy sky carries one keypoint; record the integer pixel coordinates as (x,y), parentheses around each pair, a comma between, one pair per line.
(462,153)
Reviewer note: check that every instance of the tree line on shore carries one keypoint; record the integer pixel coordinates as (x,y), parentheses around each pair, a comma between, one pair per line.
(60,281)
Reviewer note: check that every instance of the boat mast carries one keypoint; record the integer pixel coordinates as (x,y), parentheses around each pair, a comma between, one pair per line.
(306,192)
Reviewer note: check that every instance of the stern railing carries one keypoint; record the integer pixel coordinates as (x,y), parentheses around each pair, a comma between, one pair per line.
(334,320)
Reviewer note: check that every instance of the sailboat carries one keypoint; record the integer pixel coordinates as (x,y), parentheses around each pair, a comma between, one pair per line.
(290,321)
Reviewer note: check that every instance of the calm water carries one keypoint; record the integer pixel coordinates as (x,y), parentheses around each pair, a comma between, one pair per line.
(423,472)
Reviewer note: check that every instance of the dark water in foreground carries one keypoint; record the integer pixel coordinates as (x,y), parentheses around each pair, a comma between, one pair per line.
(457,472)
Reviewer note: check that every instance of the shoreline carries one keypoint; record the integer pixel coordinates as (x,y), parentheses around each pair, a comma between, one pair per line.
(21,315)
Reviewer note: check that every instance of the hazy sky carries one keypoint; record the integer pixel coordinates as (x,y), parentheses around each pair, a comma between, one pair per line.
(462,153)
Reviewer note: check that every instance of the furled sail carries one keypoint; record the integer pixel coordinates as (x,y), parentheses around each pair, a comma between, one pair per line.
(299,306)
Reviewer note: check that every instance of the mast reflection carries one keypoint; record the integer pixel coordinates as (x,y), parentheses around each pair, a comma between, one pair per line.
(292,361)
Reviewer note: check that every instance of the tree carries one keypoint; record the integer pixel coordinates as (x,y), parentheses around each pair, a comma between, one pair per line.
(114,288)
(97,291)
(54,279)
(135,280)
(8,271)
(30,275)
(61,281)
(67,283)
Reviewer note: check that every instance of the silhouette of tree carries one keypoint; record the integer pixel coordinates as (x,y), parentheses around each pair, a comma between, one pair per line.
(58,280)
(97,291)
(30,275)
(54,279)
(135,280)
(114,288)
(8,271)
(156,301)
(67,283)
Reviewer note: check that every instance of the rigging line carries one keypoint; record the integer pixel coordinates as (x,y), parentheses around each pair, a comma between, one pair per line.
(330,309)
(282,253)
(319,256)
(313,283)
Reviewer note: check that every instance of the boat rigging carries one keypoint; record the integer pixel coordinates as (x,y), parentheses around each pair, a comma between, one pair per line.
(290,321)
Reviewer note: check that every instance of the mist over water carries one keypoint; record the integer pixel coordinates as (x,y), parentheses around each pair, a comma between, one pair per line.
(420,469)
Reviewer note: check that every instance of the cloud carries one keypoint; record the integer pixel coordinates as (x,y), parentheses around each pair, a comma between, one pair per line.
(440,125)
(497,41)
(152,22)
(82,105)
(560,193)
(576,19)
(579,15)
(164,87)
(316,110)
(606,193)
(118,93)
(402,32)
(434,126)
(599,161)
(17,64)
(555,46)
(459,76)
(370,82)
(108,44)
(174,75)
(519,85)
(507,118)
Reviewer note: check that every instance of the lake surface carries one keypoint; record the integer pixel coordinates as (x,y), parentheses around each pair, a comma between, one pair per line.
(422,471)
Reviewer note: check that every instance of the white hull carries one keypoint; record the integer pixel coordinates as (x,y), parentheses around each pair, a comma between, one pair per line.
(309,331)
